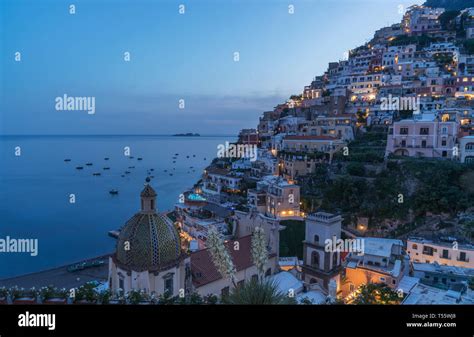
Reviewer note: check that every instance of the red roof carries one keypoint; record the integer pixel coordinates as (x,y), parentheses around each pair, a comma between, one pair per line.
(203,269)
(309,138)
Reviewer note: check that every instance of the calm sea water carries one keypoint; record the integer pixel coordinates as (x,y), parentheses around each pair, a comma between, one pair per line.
(35,189)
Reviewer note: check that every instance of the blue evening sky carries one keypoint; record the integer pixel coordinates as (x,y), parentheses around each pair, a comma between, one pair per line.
(173,57)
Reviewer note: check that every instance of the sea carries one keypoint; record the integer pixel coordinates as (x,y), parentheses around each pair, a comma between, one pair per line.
(70,211)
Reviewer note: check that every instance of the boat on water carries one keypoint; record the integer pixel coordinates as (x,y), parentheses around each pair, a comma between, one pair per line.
(89,164)
(96,174)
(127,172)
(67,160)
(152,169)
(131,157)
(106,158)
(139,158)
(194,155)
(85,265)
(131,167)
(171,174)
(123,175)
(187,156)
(113,191)
(79,167)
(106,168)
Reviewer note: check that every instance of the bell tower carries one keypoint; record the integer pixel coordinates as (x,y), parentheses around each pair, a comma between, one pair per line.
(148,198)
(321,264)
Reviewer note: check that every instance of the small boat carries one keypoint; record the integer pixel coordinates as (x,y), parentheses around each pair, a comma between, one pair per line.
(131,157)
(152,177)
(194,155)
(114,191)
(171,174)
(176,154)
(123,175)
(96,174)
(205,159)
(165,171)
(89,164)
(79,168)
(187,156)
(131,167)
(152,169)
(106,158)
(139,158)
(106,168)
(127,172)
(174,161)
(67,160)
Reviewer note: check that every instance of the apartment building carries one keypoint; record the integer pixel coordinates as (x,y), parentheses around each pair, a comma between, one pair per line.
(423,136)
(383,261)
(443,251)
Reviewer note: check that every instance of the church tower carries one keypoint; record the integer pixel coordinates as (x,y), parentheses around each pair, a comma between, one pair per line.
(321,265)
(148,255)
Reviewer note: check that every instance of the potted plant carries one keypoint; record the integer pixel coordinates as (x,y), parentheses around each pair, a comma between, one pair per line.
(86,294)
(23,296)
(52,295)
(4,293)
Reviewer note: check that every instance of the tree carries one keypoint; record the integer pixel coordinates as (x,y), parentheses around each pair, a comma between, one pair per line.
(220,255)
(376,293)
(258,292)
(259,251)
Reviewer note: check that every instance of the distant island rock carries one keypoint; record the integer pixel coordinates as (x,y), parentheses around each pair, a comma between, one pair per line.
(189,134)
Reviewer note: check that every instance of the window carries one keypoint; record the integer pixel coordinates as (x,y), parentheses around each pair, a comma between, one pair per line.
(334,260)
(414,246)
(169,285)
(382,279)
(445,254)
(427,250)
(462,256)
(404,131)
(225,292)
(268,272)
(316,239)
(424,131)
(394,281)
(443,142)
(254,277)
(121,284)
(315,259)
(152,204)
(423,143)
(404,143)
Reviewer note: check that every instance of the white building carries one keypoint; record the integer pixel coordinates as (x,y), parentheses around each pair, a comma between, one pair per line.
(446,252)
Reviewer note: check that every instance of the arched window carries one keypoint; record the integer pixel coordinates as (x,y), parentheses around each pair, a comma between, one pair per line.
(313,280)
(152,204)
(315,259)
(316,239)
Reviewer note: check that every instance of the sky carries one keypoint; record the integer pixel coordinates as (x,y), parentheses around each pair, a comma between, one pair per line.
(173,57)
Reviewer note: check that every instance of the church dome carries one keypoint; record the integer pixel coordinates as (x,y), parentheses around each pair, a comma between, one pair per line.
(148,241)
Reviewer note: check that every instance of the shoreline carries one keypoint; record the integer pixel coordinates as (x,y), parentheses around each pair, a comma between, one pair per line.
(60,277)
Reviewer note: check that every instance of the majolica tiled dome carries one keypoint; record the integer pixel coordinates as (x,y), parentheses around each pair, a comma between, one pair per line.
(153,239)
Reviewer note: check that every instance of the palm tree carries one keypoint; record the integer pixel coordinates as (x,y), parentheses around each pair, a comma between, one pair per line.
(257,292)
